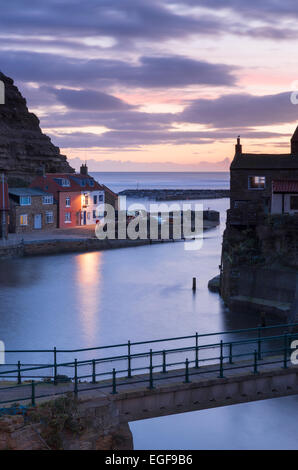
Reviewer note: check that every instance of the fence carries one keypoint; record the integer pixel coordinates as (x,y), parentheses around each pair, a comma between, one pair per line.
(105,370)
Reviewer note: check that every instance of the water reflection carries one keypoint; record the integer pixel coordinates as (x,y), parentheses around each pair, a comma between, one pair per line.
(88,294)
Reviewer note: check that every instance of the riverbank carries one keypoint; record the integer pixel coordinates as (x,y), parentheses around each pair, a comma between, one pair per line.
(79,239)
(176,194)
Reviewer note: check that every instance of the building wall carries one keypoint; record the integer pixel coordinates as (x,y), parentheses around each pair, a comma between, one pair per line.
(277,205)
(36,207)
(74,210)
(91,208)
(239,185)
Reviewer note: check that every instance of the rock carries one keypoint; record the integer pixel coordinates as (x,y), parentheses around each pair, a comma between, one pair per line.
(24,149)
(214,284)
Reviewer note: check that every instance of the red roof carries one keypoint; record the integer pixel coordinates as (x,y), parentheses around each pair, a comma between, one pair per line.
(285,186)
(50,182)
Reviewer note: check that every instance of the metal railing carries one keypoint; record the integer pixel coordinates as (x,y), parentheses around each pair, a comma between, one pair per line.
(263,346)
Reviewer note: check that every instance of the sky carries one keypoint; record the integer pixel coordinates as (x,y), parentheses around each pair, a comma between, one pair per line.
(155,85)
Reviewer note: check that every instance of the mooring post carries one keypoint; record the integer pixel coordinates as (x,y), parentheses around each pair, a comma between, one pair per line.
(194,284)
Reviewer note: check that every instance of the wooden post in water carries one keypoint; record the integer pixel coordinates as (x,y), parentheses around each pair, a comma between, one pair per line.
(194,284)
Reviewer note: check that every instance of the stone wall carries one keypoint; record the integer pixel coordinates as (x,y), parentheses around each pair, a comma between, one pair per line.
(259,267)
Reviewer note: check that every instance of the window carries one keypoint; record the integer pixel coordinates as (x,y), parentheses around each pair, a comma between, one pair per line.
(85,200)
(91,183)
(100,197)
(62,181)
(24,219)
(67,202)
(256,182)
(49,218)
(94,199)
(94,214)
(88,215)
(294,203)
(25,200)
(47,199)
(67,217)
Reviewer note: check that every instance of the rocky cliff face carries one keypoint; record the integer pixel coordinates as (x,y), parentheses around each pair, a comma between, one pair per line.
(24,149)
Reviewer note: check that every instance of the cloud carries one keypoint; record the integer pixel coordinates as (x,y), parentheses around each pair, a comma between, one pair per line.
(150,72)
(136,139)
(121,19)
(127,165)
(241,110)
(89,100)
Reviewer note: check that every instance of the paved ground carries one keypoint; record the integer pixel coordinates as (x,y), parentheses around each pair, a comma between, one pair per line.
(83,232)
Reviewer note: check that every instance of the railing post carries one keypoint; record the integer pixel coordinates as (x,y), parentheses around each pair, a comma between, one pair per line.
(76,378)
(221,376)
(19,373)
(32,393)
(285,351)
(231,353)
(129,361)
(197,351)
(255,362)
(93,371)
(187,381)
(151,386)
(114,391)
(164,363)
(259,344)
(55,365)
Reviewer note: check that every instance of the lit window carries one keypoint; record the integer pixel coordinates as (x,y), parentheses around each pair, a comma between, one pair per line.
(67,216)
(25,200)
(49,217)
(256,182)
(67,202)
(24,219)
(47,199)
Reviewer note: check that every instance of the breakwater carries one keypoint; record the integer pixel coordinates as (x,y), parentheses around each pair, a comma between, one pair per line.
(176,194)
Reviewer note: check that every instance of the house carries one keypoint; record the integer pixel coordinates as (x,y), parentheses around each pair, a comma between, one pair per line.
(31,209)
(254,183)
(79,196)
(284,197)
(4,207)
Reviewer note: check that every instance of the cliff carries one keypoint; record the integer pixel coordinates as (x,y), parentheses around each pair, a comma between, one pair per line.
(24,149)
(259,270)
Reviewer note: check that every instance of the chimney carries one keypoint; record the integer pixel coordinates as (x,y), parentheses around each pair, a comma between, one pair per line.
(238,147)
(84,169)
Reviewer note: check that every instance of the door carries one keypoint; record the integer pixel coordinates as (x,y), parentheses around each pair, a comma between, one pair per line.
(37,221)
(85,220)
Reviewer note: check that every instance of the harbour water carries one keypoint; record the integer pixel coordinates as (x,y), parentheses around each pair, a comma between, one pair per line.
(100,298)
